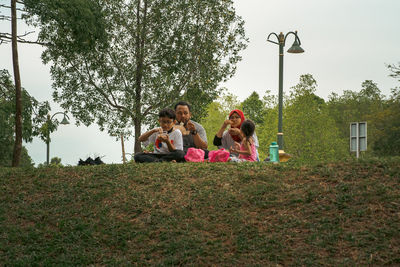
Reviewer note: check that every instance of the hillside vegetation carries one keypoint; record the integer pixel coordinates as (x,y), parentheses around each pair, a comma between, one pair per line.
(345,213)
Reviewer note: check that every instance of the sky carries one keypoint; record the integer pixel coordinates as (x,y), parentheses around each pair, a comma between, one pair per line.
(346,42)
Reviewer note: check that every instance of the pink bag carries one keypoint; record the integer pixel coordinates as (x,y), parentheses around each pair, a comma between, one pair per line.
(220,155)
(194,155)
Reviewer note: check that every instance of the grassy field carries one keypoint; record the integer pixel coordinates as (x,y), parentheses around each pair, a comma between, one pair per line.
(345,213)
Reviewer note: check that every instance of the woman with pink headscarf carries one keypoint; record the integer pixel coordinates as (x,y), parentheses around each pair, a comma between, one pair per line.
(227,138)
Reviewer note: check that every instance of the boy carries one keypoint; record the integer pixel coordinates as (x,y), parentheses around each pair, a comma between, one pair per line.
(168,144)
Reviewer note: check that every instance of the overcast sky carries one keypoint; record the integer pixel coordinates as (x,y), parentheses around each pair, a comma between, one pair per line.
(346,42)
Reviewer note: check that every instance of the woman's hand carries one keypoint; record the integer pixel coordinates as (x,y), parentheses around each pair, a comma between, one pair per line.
(234,131)
(226,123)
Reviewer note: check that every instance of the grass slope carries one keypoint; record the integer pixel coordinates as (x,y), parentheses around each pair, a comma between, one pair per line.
(202,214)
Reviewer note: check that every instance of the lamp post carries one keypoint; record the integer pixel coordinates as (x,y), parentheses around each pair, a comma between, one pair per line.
(294,49)
(49,120)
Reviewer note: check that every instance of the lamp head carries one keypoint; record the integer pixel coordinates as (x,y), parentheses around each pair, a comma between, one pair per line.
(64,121)
(295,49)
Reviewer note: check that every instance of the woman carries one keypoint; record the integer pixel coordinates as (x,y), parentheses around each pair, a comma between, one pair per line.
(227,138)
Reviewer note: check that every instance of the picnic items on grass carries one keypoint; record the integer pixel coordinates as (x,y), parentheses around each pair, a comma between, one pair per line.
(194,155)
(220,155)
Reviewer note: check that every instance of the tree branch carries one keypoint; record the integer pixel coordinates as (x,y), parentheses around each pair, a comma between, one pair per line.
(4,17)
(98,89)
(19,9)
(120,72)
(6,38)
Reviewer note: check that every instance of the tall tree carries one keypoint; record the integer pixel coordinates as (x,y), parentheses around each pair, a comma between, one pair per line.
(355,106)
(15,38)
(17,81)
(387,121)
(254,108)
(152,53)
(310,132)
(33,117)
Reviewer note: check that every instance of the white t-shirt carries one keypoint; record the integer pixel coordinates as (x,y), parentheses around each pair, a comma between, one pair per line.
(161,147)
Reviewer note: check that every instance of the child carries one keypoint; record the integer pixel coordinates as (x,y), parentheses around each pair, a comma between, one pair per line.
(168,144)
(247,149)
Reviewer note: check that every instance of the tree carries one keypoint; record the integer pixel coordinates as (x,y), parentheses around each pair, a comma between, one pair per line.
(394,70)
(387,121)
(387,125)
(213,121)
(32,117)
(357,106)
(310,132)
(254,108)
(266,132)
(153,52)
(15,38)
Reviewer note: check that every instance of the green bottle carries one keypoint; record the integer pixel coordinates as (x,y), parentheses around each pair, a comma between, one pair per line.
(274,152)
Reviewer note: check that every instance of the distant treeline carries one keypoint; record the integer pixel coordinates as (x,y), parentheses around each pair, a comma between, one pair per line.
(315,129)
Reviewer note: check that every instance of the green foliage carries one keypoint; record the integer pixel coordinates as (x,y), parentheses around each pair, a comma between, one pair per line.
(387,125)
(254,108)
(54,162)
(387,121)
(155,53)
(310,133)
(76,26)
(355,107)
(212,123)
(33,116)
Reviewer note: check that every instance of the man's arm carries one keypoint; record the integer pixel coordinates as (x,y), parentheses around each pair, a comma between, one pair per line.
(198,142)
(199,136)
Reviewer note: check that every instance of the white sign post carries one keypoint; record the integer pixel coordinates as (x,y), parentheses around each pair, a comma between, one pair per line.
(358,137)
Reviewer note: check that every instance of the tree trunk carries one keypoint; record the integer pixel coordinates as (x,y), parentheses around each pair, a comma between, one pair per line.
(18,94)
(123,149)
(138,147)
(140,36)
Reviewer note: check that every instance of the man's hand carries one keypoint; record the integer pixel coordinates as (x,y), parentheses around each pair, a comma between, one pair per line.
(190,126)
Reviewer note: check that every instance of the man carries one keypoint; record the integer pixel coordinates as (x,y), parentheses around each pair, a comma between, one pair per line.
(193,133)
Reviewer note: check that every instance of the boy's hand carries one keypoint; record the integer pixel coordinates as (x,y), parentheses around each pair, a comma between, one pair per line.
(232,150)
(157,130)
(163,137)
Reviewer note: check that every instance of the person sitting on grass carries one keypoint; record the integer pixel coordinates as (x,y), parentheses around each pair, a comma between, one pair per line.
(168,144)
(247,149)
(226,138)
(193,133)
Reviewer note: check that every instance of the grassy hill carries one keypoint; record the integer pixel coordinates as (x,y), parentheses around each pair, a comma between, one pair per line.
(345,213)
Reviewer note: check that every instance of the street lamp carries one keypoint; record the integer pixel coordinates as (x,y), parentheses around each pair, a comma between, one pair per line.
(294,49)
(49,120)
